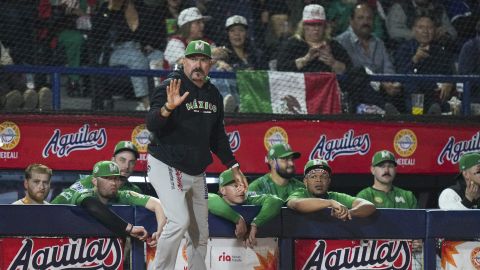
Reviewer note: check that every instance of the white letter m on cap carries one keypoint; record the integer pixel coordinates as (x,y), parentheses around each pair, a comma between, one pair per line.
(385,154)
(199,46)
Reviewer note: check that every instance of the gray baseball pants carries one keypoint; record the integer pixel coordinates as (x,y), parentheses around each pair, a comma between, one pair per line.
(184,198)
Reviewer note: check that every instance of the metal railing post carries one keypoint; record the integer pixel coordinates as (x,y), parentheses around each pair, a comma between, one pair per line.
(466,109)
(56,88)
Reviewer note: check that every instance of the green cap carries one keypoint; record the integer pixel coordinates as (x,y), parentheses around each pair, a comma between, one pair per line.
(382,156)
(105,168)
(198,47)
(281,150)
(225,178)
(126,145)
(469,160)
(317,164)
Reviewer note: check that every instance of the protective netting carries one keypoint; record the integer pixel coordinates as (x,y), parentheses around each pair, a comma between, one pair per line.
(349,40)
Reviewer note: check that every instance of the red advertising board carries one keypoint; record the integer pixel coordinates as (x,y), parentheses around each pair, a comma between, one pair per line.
(61,253)
(76,142)
(353,254)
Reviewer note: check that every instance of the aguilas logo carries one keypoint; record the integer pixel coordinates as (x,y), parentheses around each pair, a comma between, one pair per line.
(74,255)
(361,257)
(453,149)
(84,139)
(346,146)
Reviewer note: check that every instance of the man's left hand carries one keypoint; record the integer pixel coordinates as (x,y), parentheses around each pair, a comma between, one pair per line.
(445,91)
(251,240)
(240,179)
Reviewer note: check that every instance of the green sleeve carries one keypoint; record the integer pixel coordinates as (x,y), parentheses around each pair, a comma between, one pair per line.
(78,197)
(219,207)
(300,193)
(132,187)
(271,206)
(64,197)
(364,194)
(129,197)
(83,183)
(342,198)
(255,188)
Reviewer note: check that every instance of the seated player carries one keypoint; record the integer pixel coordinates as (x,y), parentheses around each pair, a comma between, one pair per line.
(37,184)
(233,194)
(316,196)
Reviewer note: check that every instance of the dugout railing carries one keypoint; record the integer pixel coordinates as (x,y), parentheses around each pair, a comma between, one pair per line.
(56,72)
(428,225)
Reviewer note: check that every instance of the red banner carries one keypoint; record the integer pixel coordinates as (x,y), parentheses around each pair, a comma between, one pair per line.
(353,254)
(69,142)
(61,253)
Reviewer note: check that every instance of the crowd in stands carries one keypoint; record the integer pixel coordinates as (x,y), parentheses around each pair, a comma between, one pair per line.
(348,37)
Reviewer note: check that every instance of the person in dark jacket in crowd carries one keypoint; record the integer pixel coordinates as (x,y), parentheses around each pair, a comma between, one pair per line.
(311,48)
(424,55)
(186,122)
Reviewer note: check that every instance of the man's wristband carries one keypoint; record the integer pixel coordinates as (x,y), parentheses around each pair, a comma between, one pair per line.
(235,166)
(129,231)
(166,108)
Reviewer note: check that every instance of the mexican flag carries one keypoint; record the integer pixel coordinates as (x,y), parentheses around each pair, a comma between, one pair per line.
(288,92)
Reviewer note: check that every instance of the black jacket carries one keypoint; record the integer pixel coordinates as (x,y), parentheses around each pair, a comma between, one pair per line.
(185,138)
(294,48)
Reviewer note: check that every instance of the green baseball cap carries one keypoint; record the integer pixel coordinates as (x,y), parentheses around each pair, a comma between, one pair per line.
(382,156)
(105,168)
(126,145)
(281,150)
(198,47)
(317,164)
(468,160)
(225,178)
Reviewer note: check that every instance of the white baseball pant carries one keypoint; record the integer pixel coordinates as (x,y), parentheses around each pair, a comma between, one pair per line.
(184,198)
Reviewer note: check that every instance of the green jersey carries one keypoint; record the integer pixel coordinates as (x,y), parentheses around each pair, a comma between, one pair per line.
(86,183)
(342,198)
(395,198)
(271,206)
(265,185)
(126,197)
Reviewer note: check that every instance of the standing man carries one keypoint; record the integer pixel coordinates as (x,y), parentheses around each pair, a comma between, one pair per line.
(37,184)
(280,181)
(383,193)
(369,56)
(125,155)
(186,121)
(466,193)
(231,194)
(316,196)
